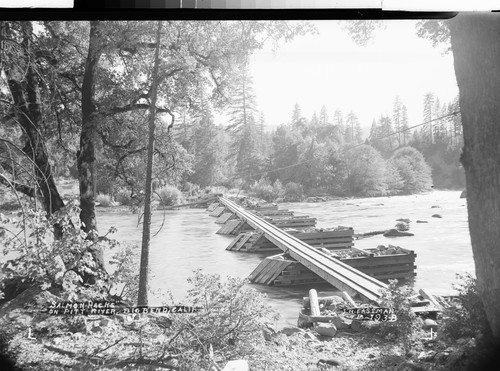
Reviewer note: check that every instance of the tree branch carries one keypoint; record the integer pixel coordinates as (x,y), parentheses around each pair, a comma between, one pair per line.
(27,190)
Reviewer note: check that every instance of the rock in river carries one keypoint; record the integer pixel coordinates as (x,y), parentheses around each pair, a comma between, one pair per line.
(396,233)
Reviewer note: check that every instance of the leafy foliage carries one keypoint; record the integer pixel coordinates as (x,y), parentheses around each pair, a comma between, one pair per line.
(44,261)
(231,314)
(408,324)
(169,196)
(365,170)
(293,192)
(265,190)
(104,200)
(413,170)
(468,318)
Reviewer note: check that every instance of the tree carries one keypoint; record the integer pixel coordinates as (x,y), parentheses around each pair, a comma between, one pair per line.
(243,125)
(298,121)
(21,60)
(429,114)
(405,125)
(397,119)
(286,152)
(353,133)
(476,52)
(413,170)
(365,172)
(142,298)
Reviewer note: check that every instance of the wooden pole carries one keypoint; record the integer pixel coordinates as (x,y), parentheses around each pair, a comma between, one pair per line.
(313,299)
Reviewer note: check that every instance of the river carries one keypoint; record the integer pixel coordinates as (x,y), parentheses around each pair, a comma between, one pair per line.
(187,241)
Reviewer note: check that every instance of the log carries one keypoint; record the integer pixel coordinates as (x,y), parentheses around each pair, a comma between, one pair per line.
(189,204)
(313,299)
(428,296)
(348,298)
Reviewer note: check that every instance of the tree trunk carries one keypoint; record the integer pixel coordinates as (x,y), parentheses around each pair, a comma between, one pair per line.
(86,154)
(23,86)
(476,51)
(142,298)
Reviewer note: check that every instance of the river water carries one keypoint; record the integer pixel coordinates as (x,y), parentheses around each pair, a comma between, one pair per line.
(187,241)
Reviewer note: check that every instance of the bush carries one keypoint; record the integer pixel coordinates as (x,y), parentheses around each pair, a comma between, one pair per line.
(104,200)
(467,317)
(294,192)
(122,196)
(45,262)
(230,320)
(169,196)
(407,324)
(265,190)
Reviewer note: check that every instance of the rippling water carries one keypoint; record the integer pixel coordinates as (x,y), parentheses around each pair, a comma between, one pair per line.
(188,241)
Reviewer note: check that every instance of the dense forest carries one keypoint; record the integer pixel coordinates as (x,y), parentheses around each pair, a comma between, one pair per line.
(326,155)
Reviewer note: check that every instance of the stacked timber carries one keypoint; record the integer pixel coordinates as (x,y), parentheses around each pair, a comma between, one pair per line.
(336,238)
(381,263)
(225,217)
(269,269)
(333,239)
(281,270)
(218,211)
(234,227)
(381,267)
(273,213)
(297,222)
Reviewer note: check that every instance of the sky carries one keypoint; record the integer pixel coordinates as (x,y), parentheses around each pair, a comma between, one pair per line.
(330,69)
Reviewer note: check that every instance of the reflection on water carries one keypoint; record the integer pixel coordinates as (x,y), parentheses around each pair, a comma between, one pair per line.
(188,242)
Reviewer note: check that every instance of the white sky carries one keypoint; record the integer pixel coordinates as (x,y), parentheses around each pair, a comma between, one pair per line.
(330,69)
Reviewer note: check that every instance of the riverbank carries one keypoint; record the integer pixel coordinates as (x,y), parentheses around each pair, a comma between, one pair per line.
(34,340)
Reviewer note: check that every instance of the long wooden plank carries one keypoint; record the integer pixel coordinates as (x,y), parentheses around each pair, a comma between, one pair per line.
(332,270)
(233,242)
(425,294)
(230,227)
(273,270)
(218,212)
(213,206)
(269,265)
(269,280)
(343,277)
(241,243)
(378,260)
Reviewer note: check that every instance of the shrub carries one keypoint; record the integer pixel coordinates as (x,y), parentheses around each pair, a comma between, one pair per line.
(191,189)
(169,196)
(104,200)
(44,261)
(468,316)
(407,324)
(278,189)
(263,189)
(122,196)
(230,319)
(294,192)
